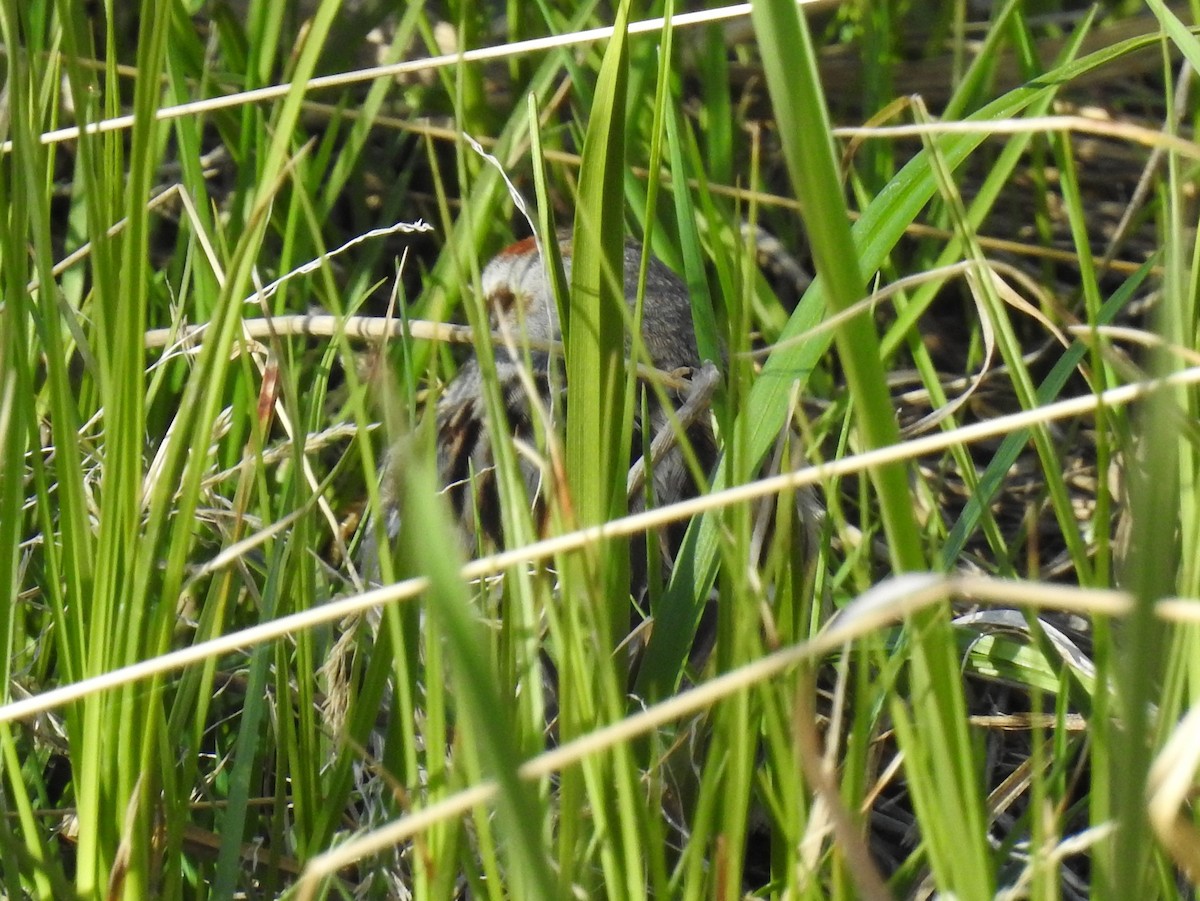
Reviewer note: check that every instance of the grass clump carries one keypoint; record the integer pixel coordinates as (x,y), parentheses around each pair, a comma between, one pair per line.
(928,629)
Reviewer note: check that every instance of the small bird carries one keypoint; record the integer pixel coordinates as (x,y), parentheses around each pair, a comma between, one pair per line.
(517,292)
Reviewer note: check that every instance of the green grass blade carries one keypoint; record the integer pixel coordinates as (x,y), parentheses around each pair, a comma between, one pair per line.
(598,422)
(520,811)
(961,862)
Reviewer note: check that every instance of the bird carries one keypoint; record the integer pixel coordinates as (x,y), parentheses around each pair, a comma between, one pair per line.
(519,300)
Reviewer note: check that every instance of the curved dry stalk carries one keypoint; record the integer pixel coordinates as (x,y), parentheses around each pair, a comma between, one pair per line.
(1125,131)
(394,70)
(1170,786)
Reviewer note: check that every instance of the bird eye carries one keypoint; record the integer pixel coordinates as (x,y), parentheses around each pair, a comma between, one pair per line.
(502,300)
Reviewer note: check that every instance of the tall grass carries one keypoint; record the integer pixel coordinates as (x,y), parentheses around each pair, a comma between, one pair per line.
(205,698)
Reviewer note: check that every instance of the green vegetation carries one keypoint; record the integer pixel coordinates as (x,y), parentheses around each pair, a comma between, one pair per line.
(954,645)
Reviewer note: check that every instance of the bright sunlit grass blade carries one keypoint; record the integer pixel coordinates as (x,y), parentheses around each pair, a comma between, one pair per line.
(28,864)
(804,128)
(946,777)
(121,304)
(707,340)
(598,421)
(87,605)
(487,715)
(1151,565)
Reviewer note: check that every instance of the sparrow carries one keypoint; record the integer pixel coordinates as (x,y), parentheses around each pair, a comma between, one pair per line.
(520,303)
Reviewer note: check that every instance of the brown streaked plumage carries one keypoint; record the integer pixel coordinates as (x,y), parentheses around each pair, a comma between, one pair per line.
(520,302)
